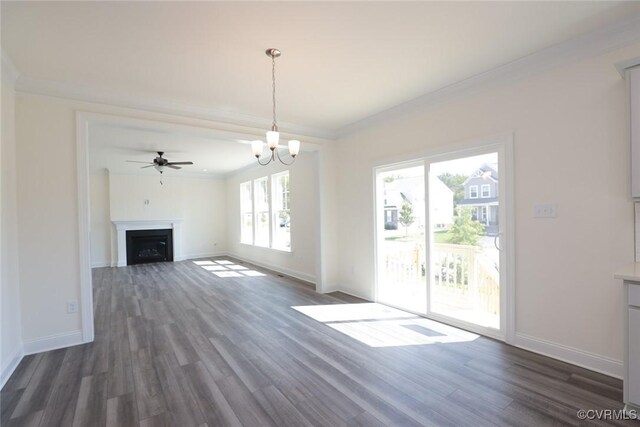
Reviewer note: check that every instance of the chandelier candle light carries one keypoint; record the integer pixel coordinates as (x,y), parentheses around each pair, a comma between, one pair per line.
(273,136)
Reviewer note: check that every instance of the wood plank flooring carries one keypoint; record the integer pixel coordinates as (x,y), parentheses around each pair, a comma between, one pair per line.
(177,345)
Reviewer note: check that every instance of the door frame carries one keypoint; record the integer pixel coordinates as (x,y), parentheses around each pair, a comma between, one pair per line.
(503,145)
(378,216)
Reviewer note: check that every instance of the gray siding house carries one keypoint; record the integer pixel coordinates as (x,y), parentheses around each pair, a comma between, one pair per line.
(481,194)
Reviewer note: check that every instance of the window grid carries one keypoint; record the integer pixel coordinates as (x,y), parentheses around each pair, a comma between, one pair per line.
(281,227)
(473,191)
(261,211)
(265,212)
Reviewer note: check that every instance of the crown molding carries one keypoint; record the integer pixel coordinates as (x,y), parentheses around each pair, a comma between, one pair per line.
(46,87)
(590,44)
(10,72)
(581,47)
(622,66)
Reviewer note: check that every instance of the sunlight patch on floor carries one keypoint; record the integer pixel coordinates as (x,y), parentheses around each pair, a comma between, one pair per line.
(227,274)
(377,325)
(226,268)
(201,263)
(213,267)
(345,312)
(252,273)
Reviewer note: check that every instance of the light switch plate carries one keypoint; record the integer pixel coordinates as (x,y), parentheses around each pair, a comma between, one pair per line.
(546,210)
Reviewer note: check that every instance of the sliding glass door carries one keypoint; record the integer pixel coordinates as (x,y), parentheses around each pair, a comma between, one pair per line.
(401,237)
(464,202)
(440,234)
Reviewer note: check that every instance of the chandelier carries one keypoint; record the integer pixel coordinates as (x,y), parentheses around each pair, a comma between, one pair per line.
(273,136)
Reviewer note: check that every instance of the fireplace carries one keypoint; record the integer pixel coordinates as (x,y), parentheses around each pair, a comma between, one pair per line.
(123,227)
(144,246)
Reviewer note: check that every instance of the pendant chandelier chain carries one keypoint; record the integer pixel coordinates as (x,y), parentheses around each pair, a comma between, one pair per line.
(273,85)
(273,135)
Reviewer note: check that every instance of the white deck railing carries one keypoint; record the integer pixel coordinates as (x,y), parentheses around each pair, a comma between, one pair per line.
(463,277)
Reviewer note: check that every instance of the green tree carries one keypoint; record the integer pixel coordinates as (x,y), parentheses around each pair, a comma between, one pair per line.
(406,217)
(455,184)
(465,230)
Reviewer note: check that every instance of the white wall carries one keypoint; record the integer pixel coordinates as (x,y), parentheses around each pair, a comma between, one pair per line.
(102,246)
(199,202)
(11,328)
(303,179)
(571,148)
(48,246)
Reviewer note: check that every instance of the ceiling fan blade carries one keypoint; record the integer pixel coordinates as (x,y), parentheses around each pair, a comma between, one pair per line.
(149,166)
(170,165)
(180,163)
(135,161)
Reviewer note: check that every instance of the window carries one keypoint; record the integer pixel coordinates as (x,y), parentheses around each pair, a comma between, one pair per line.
(473,191)
(483,214)
(265,212)
(281,215)
(261,211)
(246,213)
(485,190)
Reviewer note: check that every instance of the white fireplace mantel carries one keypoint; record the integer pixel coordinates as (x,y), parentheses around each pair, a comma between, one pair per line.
(162,224)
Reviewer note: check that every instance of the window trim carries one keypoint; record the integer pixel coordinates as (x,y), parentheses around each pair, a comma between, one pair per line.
(244,212)
(274,187)
(471,196)
(482,187)
(269,179)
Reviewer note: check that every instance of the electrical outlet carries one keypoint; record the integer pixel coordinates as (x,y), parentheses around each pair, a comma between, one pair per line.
(72,306)
(547,210)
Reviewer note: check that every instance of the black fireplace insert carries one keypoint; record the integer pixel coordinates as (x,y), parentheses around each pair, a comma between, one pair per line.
(145,246)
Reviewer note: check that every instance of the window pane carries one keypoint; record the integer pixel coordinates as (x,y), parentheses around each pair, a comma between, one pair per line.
(262,229)
(261,203)
(281,214)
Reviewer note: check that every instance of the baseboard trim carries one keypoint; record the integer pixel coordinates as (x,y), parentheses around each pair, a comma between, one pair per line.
(15,359)
(101,264)
(278,269)
(201,255)
(565,353)
(351,293)
(53,342)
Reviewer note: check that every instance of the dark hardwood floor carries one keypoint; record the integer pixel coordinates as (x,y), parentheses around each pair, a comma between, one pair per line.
(176,345)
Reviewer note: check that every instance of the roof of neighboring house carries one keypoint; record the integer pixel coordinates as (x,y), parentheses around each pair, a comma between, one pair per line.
(478,201)
(489,170)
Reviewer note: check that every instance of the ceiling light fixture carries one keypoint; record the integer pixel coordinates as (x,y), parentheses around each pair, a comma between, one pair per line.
(273,136)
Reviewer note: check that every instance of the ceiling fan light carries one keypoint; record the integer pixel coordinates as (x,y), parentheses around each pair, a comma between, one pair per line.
(257,147)
(294,147)
(273,137)
(159,168)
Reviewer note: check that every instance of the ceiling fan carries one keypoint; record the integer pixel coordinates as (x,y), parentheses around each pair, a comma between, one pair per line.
(160,163)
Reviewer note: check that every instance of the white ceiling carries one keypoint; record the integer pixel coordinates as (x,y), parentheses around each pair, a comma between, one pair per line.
(111,145)
(342,61)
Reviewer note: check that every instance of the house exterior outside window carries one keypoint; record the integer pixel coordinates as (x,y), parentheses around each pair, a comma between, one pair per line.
(261,211)
(265,212)
(473,191)
(481,195)
(281,226)
(485,191)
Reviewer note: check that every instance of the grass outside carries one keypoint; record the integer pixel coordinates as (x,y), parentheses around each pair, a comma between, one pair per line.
(443,236)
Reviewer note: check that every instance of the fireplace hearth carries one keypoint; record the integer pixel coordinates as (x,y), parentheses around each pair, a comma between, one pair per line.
(145,246)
